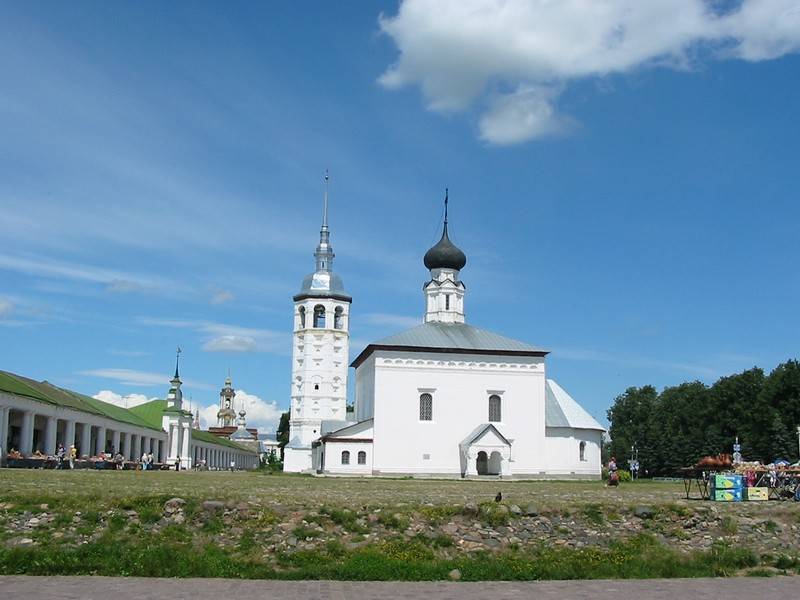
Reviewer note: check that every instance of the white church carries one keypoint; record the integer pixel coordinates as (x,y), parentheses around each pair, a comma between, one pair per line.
(443,399)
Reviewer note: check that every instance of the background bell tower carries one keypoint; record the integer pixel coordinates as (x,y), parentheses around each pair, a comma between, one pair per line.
(320,351)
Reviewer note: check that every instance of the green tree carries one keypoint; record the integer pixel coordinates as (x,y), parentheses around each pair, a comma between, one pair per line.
(282,435)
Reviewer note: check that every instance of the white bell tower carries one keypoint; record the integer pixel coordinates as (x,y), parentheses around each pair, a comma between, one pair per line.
(320,350)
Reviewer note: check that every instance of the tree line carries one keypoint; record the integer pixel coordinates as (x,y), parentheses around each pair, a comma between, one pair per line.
(682,423)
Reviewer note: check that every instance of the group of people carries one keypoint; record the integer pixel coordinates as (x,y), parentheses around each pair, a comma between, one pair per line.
(66,458)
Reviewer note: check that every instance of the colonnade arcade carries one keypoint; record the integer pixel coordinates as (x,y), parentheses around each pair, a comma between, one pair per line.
(29,430)
(216,457)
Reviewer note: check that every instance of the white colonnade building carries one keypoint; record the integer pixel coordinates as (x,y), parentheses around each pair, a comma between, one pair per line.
(35,417)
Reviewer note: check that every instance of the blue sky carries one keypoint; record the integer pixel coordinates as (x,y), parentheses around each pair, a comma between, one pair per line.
(629,205)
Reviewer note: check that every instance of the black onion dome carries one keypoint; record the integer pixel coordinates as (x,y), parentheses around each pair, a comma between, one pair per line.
(445,255)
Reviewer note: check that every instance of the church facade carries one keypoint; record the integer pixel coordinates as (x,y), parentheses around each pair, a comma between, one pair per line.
(443,399)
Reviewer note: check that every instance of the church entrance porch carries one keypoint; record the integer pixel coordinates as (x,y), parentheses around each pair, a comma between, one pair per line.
(485,451)
(489,464)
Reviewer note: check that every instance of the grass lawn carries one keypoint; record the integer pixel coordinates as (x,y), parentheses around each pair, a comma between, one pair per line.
(256,525)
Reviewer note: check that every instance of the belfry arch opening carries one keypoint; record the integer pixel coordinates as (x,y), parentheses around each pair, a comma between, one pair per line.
(319,316)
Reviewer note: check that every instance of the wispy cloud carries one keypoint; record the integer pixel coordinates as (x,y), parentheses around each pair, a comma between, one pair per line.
(221,337)
(112,280)
(141,378)
(220,296)
(390,320)
(639,362)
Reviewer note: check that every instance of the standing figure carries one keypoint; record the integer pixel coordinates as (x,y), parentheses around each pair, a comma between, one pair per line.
(613,475)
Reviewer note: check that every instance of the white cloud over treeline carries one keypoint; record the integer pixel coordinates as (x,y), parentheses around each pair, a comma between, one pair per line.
(514,58)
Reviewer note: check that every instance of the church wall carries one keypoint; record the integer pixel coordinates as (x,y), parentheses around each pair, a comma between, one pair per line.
(563,450)
(460,385)
(333,458)
(365,390)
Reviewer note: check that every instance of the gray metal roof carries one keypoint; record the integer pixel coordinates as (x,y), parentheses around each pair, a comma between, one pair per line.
(561,410)
(457,336)
(322,284)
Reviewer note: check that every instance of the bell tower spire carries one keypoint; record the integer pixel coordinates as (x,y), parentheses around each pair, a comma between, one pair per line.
(324,252)
(444,293)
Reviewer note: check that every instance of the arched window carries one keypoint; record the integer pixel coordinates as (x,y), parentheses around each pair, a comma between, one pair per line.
(319,316)
(337,317)
(495,411)
(345,457)
(447,302)
(362,457)
(582,451)
(426,407)
(302,317)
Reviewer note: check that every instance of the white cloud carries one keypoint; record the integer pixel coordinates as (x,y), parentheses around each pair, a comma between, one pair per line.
(142,378)
(126,401)
(221,337)
(230,343)
(6,308)
(526,114)
(517,57)
(263,414)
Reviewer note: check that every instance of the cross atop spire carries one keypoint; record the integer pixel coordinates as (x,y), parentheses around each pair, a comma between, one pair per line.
(445,207)
(177,361)
(325,207)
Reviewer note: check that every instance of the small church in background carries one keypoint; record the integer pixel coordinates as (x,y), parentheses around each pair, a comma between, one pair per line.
(229,425)
(443,399)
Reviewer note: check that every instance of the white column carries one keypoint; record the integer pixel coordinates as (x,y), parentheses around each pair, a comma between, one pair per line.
(26,435)
(100,442)
(4,412)
(137,447)
(174,441)
(185,452)
(83,445)
(115,440)
(124,443)
(69,434)
(50,436)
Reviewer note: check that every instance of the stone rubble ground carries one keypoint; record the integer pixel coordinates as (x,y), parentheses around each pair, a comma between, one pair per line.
(454,524)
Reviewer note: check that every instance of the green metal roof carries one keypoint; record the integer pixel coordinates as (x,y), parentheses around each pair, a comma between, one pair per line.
(48,393)
(153,411)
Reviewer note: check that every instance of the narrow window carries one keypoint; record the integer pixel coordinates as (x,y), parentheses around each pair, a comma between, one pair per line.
(426,407)
(582,451)
(345,457)
(447,302)
(362,457)
(319,316)
(302,317)
(495,414)
(337,318)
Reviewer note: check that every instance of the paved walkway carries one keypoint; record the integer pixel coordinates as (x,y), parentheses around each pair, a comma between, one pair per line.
(135,588)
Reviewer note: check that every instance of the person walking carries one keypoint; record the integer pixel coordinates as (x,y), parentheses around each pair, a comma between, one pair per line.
(60,455)
(73,454)
(178,464)
(119,461)
(144,461)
